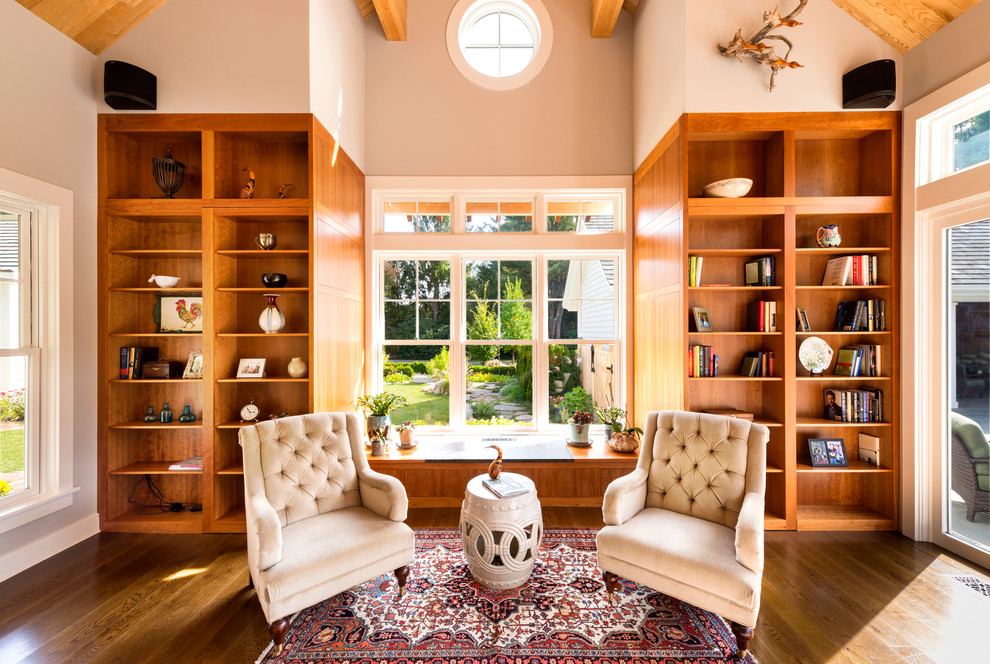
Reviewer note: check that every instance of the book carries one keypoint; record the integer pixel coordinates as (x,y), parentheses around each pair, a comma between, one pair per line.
(132,358)
(871,457)
(837,271)
(844,361)
(750,364)
(503,486)
(125,360)
(869,441)
(192,463)
(755,313)
(751,273)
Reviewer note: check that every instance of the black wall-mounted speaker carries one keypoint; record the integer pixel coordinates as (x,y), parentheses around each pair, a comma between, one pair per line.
(128,88)
(869,86)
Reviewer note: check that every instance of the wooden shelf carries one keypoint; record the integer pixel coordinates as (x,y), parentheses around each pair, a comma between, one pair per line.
(736,333)
(746,379)
(253,335)
(842,517)
(156,381)
(231,470)
(842,250)
(833,288)
(277,291)
(262,253)
(157,210)
(733,252)
(750,289)
(855,466)
(140,424)
(821,333)
(234,425)
(159,335)
(159,253)
(153,468)
(263,380)
(820,422)
(830,378)
(155,522)
(164,291)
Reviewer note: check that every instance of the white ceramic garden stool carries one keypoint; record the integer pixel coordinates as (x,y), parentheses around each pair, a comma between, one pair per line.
(501,536)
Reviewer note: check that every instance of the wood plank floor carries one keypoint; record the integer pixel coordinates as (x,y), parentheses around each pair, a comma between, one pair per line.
(827,597)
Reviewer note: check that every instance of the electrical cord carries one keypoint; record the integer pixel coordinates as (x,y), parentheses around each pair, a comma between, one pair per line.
(157,503)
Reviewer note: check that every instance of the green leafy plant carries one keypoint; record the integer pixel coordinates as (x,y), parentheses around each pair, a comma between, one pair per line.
(635,432)
(405,426)
(483,325)
(582,417)
(482,409)
(576,400)
(612,416)
(380,404)
(397,378)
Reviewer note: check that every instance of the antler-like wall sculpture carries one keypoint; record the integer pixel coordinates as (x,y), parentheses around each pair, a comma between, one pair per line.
(753,49)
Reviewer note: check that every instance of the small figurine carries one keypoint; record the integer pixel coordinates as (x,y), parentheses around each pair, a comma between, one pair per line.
(495,469)
(248,190)
(281,191)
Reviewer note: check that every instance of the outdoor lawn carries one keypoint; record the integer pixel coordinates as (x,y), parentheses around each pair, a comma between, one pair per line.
(430,408)
(12,450)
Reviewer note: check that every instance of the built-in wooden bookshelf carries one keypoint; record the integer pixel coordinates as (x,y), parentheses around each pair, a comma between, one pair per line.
(205,235)
(808,170)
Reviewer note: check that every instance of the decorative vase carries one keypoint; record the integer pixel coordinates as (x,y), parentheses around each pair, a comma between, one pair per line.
(624,442)
(608,430)
(266,241)
(166,415)
(150,416)
(187,416)
(378,447)
(381,423)
(579,434)
(271,319)
(406,438)
(274,279)
(168,173)
(297,367)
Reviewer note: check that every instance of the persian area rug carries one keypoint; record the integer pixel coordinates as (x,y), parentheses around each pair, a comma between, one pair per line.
(560,616)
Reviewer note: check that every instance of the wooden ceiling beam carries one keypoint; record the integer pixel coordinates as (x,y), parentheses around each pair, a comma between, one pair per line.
(392,15)
(604,14)
(367,7)
(94,25)
(630,6)
(905,23)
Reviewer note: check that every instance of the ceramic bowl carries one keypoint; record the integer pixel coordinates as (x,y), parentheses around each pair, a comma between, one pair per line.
(164,282)
(273,279)
(729,188)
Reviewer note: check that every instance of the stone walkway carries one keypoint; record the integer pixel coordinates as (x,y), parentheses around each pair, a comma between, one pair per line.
(492,392)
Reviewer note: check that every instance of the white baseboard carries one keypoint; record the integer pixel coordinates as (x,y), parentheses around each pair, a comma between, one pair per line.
(34,552)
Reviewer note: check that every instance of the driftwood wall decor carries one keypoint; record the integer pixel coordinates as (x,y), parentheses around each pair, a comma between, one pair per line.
(755,50)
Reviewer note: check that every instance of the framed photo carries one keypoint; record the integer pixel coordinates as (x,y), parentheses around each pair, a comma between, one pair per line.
(194,365)
(251,367)
(702,319)
(179,313)
(827,452)
(802,320)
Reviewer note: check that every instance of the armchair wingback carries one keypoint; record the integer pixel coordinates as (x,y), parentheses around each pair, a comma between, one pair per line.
(319,520)
(688,521)
(970,465)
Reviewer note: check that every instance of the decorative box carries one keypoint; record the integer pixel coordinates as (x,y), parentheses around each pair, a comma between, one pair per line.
(165,369)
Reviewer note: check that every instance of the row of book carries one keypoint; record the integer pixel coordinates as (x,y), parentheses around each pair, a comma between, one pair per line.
(757,363)
(192,463)
(702,362)
(760,272)
(860,360)
(853,405)
(694,270)
(858,270)
(761,316)
(133,357)
(869,449)
(860,316)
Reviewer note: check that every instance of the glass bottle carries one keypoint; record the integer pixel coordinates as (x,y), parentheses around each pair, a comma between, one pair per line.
(187,416)
(166,415)
(150,416)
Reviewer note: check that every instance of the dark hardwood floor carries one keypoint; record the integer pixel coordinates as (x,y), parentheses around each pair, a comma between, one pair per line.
(827,597)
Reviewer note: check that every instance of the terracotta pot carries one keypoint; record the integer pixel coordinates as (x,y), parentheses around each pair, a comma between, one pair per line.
(623,442)
(406,437)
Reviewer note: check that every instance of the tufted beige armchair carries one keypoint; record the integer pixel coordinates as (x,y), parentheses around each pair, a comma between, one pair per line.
(688,521)
(319,520)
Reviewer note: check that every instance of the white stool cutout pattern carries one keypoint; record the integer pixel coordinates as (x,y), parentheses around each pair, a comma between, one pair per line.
(501,536)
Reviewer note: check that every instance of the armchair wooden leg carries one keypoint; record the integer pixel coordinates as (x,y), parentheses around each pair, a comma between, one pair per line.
(277,630)
(743,636)
(401,575)
(612,583)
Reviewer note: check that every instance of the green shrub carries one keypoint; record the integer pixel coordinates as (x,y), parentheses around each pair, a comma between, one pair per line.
(418,367)
(439,366)
(498,421)
(397,378)
(482,409)
(577,400)
(489,378)
(397,367)
(12,405)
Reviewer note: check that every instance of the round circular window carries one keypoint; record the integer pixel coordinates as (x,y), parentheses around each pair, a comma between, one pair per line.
(499,44)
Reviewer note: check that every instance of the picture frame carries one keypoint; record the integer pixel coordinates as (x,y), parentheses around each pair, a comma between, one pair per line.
(179,313)
(827,452)
(251,367)
(702,319)
(194,365)
(802,320)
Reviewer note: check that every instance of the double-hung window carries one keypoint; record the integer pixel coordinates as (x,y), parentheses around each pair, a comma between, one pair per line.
(506,312)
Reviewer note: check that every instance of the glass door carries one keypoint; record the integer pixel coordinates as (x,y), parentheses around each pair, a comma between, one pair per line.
(965,451)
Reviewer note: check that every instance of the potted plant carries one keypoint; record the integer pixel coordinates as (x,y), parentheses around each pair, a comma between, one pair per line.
(626,440)
(612,418)
(578,399)
(377,408)
(580,423)
(406,430)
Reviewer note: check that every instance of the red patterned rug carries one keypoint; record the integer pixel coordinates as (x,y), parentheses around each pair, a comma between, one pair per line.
(561,616)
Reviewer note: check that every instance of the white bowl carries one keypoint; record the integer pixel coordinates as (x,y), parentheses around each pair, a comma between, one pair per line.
(164,282)
(729,188)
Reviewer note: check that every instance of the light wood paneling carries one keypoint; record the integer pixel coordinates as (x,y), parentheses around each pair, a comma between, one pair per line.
(905,23)
(93,24)
(604,14)
(392,15)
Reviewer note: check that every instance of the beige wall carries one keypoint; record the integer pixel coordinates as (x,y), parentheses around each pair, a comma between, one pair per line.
(829,44)
(48,132)
(424,118)
(959,47)
(222,56)
(337,73)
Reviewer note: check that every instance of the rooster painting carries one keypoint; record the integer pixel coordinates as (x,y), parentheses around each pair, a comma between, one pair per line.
(188,316)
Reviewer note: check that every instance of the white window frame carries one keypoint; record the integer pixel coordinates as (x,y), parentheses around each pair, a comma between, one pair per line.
(935,140)
(460,246)
(51,372)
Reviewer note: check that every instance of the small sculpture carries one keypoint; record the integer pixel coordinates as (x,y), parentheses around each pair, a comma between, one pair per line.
(281,191)
(495,469)
(740,48)
(248,190)
(168,173)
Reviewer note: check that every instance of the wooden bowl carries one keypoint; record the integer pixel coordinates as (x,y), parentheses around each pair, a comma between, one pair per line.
(729,188)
